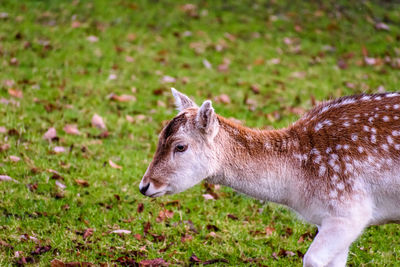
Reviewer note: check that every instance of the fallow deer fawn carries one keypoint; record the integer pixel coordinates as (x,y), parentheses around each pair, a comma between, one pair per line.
(338,167)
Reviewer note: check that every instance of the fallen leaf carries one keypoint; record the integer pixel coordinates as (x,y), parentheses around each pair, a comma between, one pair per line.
(269,230)
(233,217)
(82,182)
(154,262)
(40,250)
(130,118)
(75,24)
(15,93)
(207,64)
(71,129)
(121,231)
(186,238)
(208,196)
(4,244)
(3,129)
(14,158)
(168,79)
(138,236)
(223,98)
(382,26)
(4,147)
(113,165)
(122,98)
(88,232)
(98,122)
(164,214)
(255,88)
(58,263)
(59,149)
(7,178)
(92,39)
(112,76)
(28,237)
(140,208)
(50,134)
(274,61)
(369,61)
(60,185)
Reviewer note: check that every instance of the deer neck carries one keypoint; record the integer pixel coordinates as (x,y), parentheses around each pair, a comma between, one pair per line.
(257,163)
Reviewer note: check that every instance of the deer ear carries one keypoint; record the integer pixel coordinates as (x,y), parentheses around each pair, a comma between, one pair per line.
(182,101)
(206,118)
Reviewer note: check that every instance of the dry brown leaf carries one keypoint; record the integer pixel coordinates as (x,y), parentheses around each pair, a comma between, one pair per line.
(269,230)
(83,183)
(223,99)
(88,232)
(3,129)
(98,122)
(71,129)
(122,98)
(186,238)
(114,165)
(154,262)
(164,214)
(50,134)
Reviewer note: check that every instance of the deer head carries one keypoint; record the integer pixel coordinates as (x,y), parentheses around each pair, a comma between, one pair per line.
(186,152)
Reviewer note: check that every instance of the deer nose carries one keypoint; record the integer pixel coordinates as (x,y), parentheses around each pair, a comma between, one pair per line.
(144,189)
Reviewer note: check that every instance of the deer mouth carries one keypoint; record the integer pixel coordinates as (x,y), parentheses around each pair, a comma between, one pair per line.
(157,194)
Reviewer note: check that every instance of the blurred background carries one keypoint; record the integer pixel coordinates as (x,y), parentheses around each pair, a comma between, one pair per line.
(85,90)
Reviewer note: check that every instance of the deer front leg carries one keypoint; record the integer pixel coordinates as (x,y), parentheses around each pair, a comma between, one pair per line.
(331,245)
(340,259)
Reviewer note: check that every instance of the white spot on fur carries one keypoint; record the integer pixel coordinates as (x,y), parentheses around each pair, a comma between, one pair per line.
(385,147)
(346,146)
(385,118)
(328,150)
(340,186)
(366,98)
(318,127)
(397,146)
(333,194)
(336,168)
(346,124)
(392,95)
(396,133)
(360,149)
(373,138)
(373,130)
(334,156)
(354,137)
(338,147)
(396,106)
(322,170)
(389,139)
(366,128)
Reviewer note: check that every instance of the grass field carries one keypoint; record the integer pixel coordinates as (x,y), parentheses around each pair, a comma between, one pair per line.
(262,62)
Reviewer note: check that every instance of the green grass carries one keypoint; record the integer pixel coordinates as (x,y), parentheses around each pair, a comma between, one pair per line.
(65,79)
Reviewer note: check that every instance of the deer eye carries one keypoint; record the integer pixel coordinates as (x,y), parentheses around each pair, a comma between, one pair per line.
(180,148)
